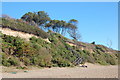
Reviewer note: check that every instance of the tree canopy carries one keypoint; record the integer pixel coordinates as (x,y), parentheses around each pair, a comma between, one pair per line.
(40,17)
(43,20)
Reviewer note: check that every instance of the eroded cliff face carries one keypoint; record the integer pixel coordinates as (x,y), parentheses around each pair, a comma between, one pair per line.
(10,32)
(23,35)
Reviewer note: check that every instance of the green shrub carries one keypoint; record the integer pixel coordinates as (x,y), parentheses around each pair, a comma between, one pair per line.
(4,60)
(55,65)
(101,48)
(26,60)
(111,61)
(35,60)
(59,61)
(102,62)
(90,59)
(36,46)
(64,63)
(5,63)
(42,58)
(13,61)
(53,39)
(8,61)
(20,67)
(33,39)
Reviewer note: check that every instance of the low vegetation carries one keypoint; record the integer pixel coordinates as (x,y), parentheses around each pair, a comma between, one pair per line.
(38,52)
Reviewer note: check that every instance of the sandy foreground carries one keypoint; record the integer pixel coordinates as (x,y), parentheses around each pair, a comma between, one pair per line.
(92,71)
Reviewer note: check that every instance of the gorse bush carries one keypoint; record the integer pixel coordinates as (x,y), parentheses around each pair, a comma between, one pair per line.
(9,60)
(13,61)
(25,60)
(4,59)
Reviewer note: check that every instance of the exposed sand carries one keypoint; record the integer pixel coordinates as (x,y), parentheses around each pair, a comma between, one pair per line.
(92,71)
(23,35)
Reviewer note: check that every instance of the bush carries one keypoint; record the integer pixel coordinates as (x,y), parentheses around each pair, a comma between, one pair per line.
(55,65)
(43,62)
(102,62)
(26,60)
(111,61)
(42,58)
(4,60)
(5,63)
(8,61)
(13,61)
(90,59)
(59,61)
(35,60)
(64,63)
(53,40)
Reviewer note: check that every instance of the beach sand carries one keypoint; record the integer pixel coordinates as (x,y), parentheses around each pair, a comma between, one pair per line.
(92,71)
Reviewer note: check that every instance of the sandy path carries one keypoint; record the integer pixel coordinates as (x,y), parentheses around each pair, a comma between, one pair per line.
(93,71)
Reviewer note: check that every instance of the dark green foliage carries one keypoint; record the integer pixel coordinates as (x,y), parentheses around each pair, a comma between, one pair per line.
(9,60)
(4,59)
(105,58)
(59,61)
(39,18)
(43,60)
(25,60)
(16,46)
(42,19)
(90,59)
(13,61)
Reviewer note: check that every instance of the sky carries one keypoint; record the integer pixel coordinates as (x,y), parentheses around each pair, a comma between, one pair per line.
(59,0)
(98,21)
